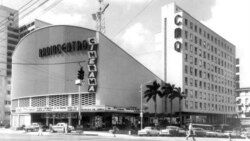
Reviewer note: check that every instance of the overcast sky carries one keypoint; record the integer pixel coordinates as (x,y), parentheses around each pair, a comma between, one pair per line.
(228,18)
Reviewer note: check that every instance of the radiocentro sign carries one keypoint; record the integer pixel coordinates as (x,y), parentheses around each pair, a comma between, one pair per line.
(65,47)
(90,45)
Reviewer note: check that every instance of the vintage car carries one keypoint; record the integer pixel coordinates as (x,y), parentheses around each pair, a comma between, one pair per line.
(211,133)
(61,127)
(200,132)
(170,131)
(34,127)
(182,132)
(149,131)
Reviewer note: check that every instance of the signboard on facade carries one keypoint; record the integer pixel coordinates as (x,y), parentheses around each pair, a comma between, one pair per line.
(75,109)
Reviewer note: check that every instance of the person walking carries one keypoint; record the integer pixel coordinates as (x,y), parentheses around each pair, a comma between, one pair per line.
(50,129)
(115,129)
(190,131)
(40,130)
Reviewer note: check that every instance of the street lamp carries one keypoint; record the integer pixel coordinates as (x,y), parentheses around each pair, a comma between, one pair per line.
(141,112)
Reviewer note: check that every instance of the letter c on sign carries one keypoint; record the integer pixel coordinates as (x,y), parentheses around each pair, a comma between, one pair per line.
(177,46)
(176,20)
(91,41)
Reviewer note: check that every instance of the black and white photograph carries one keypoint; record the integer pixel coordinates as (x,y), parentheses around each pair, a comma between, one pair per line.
(145,70)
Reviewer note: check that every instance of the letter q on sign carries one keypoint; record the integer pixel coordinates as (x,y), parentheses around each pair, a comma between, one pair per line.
(177,46)
(91,41)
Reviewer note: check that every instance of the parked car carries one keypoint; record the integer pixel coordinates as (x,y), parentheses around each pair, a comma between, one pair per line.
(220,134)
(170,131)
(149,131)
(182,132)
(211,133)
(60,127)
(199,132)
(233,134)
(34,127)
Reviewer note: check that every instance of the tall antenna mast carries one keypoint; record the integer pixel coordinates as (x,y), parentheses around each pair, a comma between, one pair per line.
(99,16)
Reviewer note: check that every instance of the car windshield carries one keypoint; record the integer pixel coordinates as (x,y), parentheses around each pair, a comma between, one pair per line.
(149,128)
(172,127)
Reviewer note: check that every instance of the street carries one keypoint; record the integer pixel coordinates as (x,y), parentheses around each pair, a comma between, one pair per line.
(60,137)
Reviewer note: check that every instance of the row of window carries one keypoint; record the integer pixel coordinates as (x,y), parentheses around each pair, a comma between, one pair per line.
(198,52)
(199,63)
(208,106)
(202,74)
(201,95)
(207,86)
(207,35)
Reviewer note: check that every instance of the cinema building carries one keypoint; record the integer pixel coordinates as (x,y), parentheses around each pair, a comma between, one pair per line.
(45,66)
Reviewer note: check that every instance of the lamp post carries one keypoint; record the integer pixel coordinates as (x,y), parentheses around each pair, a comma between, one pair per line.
(141,111)
(79,83)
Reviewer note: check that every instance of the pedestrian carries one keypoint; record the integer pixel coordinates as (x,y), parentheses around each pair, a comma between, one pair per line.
(190,131)
(40,130)
(50,128)
(115,129)
(230,136)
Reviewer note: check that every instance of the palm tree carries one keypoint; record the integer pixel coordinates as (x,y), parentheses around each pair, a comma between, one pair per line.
(152,92)
(167,89)
(177,92)
(172,96)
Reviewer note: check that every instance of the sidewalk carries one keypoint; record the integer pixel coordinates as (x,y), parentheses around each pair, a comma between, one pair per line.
(85,133)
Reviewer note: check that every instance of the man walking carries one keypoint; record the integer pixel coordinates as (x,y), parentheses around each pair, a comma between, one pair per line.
(190,132)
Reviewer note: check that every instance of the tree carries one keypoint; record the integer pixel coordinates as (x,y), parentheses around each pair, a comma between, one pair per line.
(167,89)
(180,95)
(172,96)
(152,92)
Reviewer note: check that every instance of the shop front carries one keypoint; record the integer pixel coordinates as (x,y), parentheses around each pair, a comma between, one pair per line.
(93,117)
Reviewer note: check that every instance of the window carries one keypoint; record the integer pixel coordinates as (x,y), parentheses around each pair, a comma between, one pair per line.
(186,69)
(195,61)
(186,46)
(195,50)
(186,81)
(200,74)
(191,37)
(186,57)
(186,22)
(191,25)
(186,34)
(191,70)
(191,81)
(191,48)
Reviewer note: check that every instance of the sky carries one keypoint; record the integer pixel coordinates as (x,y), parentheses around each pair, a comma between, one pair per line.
(133,24)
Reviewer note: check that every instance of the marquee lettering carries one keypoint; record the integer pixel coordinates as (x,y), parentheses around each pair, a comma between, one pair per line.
(66,48)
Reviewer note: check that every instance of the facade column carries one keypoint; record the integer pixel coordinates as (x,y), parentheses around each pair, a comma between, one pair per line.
(47,118)
(69,118)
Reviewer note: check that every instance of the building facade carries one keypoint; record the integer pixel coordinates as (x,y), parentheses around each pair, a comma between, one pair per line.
(243,103)
(204,67)
(44,88)
(8,39)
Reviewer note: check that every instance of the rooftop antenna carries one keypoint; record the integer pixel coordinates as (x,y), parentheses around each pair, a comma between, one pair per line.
(99,16)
